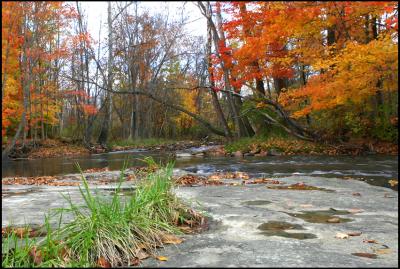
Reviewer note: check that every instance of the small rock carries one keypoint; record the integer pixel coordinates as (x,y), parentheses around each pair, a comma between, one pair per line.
(341,236)
(261,154)
(248,154)
(238,154)
(354,233)
(183,155)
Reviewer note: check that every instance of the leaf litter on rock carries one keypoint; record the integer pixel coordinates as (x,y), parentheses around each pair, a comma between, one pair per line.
(162,258)
(365,255)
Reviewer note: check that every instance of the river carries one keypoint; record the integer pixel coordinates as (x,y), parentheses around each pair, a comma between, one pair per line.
(374,169)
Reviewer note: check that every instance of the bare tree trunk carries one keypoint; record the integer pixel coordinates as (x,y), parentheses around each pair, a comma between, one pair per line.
(215,101)
(107,117)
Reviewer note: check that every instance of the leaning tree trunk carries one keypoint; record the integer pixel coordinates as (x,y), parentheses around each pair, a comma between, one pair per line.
(242,123)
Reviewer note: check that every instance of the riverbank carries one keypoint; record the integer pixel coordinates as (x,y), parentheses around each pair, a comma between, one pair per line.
(291,146)
(244,147)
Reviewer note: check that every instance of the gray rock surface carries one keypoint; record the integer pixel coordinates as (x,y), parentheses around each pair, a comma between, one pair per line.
(233,238)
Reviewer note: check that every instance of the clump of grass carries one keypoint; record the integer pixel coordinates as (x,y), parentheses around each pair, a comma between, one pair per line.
(115,230)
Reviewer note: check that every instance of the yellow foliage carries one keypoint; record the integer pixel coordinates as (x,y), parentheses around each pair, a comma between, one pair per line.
(353,74)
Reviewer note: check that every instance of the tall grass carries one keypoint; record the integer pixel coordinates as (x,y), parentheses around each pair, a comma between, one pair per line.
(115,229)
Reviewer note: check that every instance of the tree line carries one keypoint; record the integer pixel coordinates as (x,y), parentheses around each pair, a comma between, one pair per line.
(316,70)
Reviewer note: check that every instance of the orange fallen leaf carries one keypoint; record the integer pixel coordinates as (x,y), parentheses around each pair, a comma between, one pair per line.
(135,262)
(103,263)
(36,255)
(365,255)
(186,229)
(162,258)
(171,239)
(371,241)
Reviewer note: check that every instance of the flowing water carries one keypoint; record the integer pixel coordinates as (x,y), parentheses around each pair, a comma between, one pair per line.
(374,169)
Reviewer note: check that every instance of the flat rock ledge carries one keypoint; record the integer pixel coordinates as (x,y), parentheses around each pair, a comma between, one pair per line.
(236,213)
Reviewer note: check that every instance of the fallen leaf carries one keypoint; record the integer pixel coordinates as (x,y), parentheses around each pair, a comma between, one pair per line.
(333,220)
(36,255)
(365,255)
(371,241)
(214,177)
(141,255)
(393,182)
(170,239)
(103,263)
(354,233)
(142,246)
(355,210)
(306,205)
(241,175)
(162,258)
(341,236)
(21,232)
(135,262)
(383,251)
(186,229)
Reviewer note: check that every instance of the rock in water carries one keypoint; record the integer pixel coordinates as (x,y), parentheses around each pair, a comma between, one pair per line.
(238,154)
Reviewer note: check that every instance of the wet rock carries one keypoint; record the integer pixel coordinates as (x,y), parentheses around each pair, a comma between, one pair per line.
(238,154)
(183,155)
(248,154)
(261,154)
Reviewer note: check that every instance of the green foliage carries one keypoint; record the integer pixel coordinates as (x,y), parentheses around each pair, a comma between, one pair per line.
(385,131)
(259,121)
(140,142)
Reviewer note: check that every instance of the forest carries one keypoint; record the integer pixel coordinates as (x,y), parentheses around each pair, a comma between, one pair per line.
(317,71)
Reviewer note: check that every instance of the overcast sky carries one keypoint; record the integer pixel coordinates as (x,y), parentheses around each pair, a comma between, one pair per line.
(97,11)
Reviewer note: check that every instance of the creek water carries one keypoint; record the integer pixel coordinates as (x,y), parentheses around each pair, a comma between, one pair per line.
(374,169)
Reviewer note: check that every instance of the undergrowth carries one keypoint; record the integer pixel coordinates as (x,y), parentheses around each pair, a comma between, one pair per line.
(140,142)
